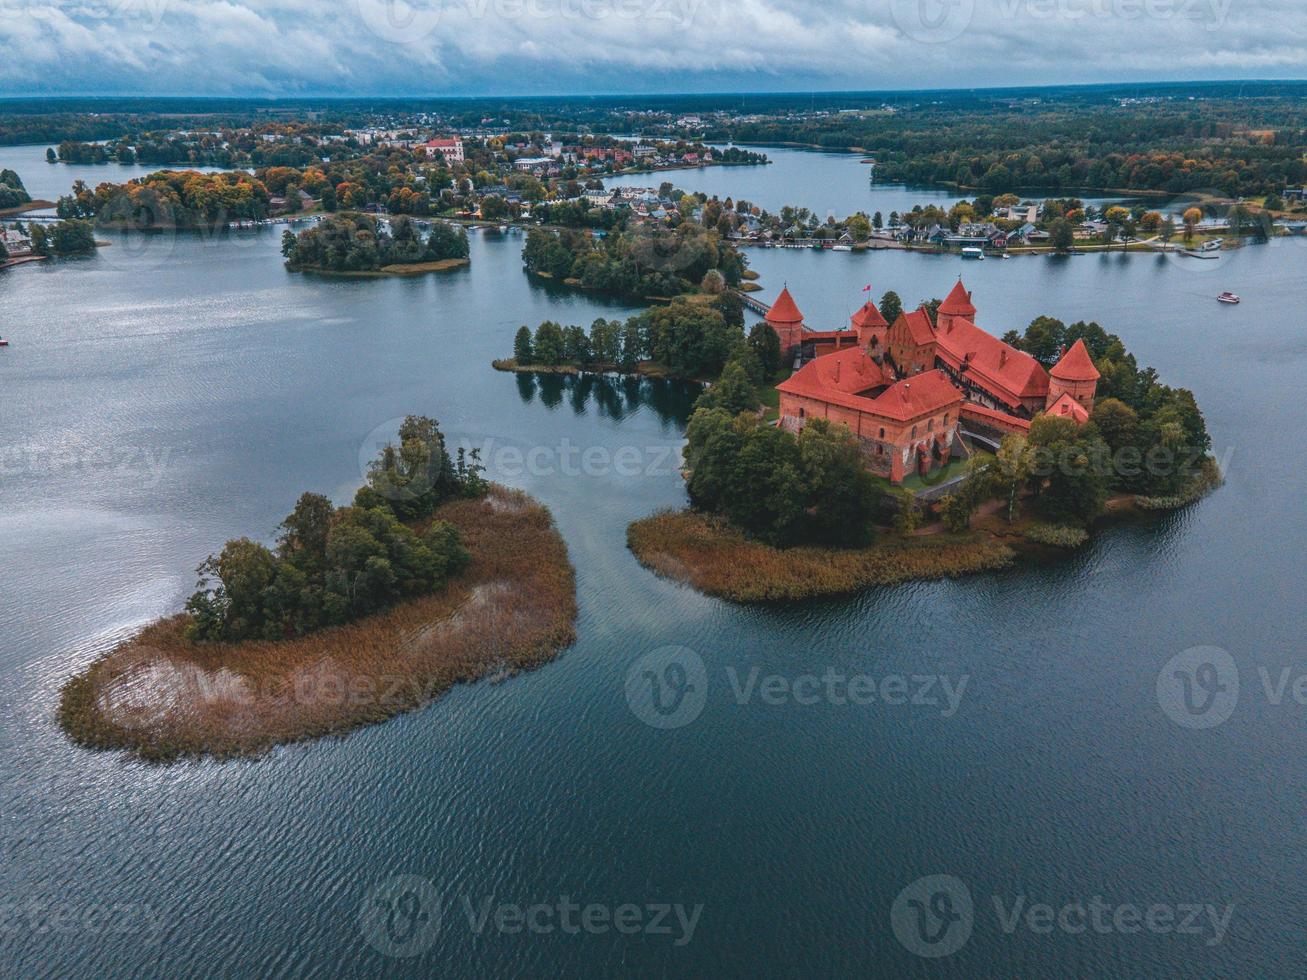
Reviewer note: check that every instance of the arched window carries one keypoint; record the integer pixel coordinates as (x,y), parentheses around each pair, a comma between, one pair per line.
(930,426)
(946,418)
(882,432)
(914,432)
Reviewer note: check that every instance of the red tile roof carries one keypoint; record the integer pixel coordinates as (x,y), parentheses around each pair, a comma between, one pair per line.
(958,302)
(784,310)
(1076,365)
(868,316)
(921,394)
(973,410)
(849,372)
(1068,407)
(999,368)
(837,378)
(919,326)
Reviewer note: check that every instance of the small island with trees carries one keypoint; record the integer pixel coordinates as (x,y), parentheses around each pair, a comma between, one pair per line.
(357,244)
(431,577)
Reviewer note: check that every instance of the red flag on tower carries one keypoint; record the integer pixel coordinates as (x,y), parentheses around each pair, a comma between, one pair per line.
(867,288)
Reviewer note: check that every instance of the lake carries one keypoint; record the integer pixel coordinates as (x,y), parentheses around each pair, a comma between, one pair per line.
(828,184)
(165,395)
(50,181)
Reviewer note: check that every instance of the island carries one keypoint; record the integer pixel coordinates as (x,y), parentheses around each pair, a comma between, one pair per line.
(357,244)
(916,446)
(646,250)
(431,577)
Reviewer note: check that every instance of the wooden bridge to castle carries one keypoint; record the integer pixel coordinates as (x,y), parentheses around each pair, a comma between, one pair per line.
(750,303)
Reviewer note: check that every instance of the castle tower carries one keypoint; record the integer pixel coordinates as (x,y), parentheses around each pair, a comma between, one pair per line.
(784,317)
(957,304)
(871,328)
(1074,374)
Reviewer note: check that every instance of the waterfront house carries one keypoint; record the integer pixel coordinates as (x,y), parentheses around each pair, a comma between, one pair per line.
(17,243)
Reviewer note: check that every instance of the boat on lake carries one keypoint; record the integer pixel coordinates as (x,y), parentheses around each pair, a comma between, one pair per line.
(973,252)
(1227,297)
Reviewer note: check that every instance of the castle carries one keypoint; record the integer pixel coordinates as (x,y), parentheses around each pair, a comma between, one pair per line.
(911,390)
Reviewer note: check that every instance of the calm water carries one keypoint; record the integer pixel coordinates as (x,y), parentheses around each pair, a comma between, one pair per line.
(48,181)
(161,398)
(825,183)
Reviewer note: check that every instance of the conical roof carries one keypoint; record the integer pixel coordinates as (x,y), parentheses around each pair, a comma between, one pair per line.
(1075,365)
(868,316)
(784,310)
(958,302)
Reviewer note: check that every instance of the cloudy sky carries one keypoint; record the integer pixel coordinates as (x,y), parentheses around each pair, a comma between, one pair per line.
(420,47)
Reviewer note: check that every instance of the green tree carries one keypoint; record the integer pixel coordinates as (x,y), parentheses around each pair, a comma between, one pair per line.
(1044,339)
(549,347)
(1061,234)
(891,307)
(72,237)
(732,391)
(522,345)
(766,347)
(1011,471)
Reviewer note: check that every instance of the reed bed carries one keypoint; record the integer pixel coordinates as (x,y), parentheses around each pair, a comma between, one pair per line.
(513,608)
(707,553)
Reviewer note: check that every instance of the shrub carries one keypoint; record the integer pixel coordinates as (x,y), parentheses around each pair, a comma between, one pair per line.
(1058,536)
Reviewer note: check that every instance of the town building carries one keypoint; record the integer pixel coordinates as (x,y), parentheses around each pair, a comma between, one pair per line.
(451,149)
(922,391)
(16,243)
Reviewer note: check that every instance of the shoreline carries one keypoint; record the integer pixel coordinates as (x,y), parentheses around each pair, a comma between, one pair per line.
(408,269)
(34,205)
(160,697)
(645,369)
(706,553)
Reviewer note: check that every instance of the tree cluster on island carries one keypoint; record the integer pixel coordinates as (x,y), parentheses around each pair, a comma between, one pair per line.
(351,242)
(644,259)
(681,339)
(169,200)
(332,565)
(12,192)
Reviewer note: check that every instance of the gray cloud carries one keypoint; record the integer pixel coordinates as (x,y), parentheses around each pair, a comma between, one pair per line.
(504,46)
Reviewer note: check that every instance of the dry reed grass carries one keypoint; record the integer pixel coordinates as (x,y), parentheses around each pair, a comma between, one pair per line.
(707,553)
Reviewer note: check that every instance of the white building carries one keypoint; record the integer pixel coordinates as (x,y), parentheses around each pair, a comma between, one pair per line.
(16,243)
(451,149)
